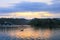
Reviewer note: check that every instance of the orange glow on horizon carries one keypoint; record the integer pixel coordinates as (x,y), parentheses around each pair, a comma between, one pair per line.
(28,15)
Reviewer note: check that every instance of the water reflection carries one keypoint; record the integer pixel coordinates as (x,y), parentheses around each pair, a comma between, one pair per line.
(26,33)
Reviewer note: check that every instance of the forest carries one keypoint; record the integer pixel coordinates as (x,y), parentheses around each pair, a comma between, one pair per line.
(45,23)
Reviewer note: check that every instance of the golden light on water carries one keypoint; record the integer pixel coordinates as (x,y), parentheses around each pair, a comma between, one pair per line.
(30,33)
(46,33)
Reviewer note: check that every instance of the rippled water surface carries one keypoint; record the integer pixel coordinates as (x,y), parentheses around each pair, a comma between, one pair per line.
(29,33)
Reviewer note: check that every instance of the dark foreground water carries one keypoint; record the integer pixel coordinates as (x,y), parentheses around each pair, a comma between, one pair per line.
(29,33)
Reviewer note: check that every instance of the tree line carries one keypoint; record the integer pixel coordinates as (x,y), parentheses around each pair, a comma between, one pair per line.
(36,22)
(13,21)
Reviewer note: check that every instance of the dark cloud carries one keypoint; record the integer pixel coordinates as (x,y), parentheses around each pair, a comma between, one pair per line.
(33,7)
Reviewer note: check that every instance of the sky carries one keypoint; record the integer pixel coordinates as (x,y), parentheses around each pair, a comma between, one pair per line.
(29,9)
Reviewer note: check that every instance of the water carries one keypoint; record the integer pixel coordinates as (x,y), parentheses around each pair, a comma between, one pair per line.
(28,33)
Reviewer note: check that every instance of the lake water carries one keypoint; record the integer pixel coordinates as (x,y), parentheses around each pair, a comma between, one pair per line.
(29,33)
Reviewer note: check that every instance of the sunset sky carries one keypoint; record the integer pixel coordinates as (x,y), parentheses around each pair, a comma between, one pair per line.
(29,9)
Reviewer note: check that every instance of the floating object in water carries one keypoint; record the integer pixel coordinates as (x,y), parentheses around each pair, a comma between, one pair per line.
(22,30)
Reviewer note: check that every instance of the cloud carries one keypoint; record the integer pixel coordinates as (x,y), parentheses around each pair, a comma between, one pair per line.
(55,7)
(55,1)
(9,3)
(42,1)
(38,6)
(22,7)
(13,6)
